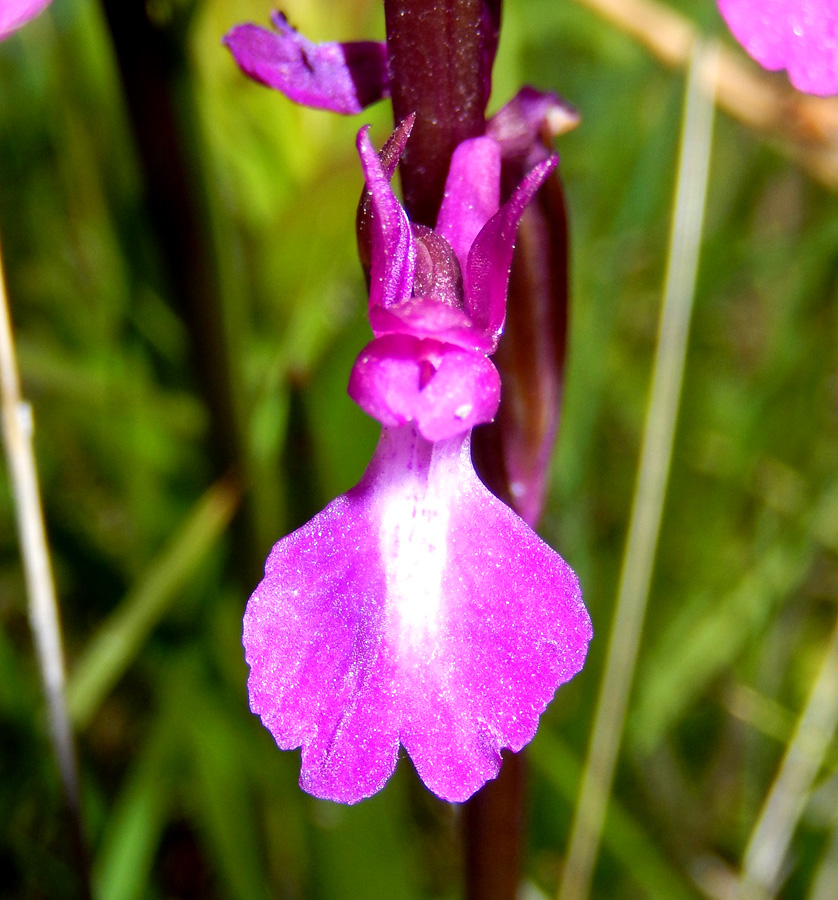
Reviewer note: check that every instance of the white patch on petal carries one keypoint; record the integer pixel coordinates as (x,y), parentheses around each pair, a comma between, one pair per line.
(414,535)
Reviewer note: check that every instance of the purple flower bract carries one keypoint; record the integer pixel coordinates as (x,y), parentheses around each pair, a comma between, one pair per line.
(342,78)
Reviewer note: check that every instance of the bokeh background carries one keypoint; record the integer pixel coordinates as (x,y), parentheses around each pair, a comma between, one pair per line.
(180,256)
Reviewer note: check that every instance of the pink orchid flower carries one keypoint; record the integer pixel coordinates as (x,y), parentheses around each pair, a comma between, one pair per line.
(15,14)
(800,36)
(418,610)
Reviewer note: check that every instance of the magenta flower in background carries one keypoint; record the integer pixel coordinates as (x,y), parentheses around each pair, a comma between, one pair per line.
(15,14)
(800,36)
(418,609)
(343,78)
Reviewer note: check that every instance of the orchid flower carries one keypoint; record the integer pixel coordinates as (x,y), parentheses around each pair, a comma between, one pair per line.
(15,14)
(347,77)
(418,609)
(798,35)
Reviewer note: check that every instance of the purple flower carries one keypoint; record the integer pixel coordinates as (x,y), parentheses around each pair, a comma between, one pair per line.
(15,14)
(418,609)
(347,77)
(798,35)
(343,78)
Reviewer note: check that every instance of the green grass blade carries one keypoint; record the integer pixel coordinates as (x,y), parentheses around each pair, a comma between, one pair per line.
(120,638)
(622,835)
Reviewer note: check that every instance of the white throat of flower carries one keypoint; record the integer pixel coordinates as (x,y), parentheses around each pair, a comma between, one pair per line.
(413,538)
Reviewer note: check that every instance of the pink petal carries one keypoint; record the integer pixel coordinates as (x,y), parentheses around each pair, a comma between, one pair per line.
(440,387)
(798,35)
(426,317)
(392,249)
(343,78)
(15,14)
(487,271)
(472,194)
(389,157)
(416,609)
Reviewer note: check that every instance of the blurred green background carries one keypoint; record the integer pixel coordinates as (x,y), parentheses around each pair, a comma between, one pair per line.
(184,792)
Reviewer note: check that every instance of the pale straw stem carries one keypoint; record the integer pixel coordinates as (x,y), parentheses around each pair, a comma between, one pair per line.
(805,127)
(43,608)
(653,471)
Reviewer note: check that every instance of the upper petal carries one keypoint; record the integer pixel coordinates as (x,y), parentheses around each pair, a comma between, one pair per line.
(472,194)
(486,275)
(798,35)
(393,254)
(343,78)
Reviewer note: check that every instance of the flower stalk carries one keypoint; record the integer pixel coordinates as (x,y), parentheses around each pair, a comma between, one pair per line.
(440,57)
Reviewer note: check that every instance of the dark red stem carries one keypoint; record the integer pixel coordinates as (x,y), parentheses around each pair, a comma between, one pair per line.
(440,69)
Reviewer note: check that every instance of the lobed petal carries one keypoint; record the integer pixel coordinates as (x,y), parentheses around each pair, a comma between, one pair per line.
(343,78)
(313,633)
(393,253)
(441,388)
(416,609)
(798,35)
(486,274)
(15,14)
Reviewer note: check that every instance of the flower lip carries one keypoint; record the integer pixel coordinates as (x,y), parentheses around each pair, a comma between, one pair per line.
(415,609)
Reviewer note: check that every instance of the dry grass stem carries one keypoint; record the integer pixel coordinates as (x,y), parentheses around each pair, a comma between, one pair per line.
(772,834)
(653,473)
(806,128)
(43,606)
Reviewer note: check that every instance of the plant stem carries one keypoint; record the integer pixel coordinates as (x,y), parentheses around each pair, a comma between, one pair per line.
(440,70)
(40,588)
(650,487)
(493,833)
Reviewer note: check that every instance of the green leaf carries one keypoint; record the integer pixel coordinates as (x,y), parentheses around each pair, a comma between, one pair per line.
(121,637)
